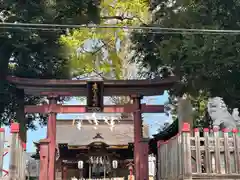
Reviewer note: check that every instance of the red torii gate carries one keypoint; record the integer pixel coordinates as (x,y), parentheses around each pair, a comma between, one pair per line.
(53,89)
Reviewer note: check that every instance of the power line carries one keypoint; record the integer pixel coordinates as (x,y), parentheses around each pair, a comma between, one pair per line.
(147,32)
(56,27)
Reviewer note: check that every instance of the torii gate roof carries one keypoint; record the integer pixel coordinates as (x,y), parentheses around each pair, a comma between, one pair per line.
(64,87)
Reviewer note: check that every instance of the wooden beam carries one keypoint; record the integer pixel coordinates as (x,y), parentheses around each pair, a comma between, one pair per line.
(82,109)
(64,87)
(118,147)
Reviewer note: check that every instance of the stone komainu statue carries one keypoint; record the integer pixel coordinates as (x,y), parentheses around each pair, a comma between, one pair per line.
(235,115)
(219,114)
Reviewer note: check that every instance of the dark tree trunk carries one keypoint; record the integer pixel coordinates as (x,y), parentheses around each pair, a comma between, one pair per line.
(5,55)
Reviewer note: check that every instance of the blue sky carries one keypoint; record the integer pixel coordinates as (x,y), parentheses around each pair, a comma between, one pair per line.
(152,119)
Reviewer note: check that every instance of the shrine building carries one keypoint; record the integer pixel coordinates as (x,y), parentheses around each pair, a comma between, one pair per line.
(97,147)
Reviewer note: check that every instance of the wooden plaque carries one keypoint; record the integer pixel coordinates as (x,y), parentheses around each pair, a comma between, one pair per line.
(94,96)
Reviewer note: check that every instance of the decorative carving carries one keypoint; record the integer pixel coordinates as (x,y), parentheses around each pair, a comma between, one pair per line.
(219,114)
(98,136)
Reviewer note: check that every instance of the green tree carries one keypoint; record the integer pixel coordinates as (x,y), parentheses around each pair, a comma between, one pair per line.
(204,62)
(107,55)
(36,53)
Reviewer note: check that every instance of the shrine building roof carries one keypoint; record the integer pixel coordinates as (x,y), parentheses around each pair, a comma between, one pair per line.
(64,87)
(122,133)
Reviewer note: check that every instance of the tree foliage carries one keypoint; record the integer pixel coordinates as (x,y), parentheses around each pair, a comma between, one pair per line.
(204,62)
(36,53)
(101,50)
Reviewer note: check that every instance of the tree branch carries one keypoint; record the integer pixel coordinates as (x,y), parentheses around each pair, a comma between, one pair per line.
(121,18)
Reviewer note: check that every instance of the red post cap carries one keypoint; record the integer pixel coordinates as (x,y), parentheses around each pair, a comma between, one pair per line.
(235,130)
(196,130)
(24,146)
(205,130)
(15,128)
(225,130)
(186,127)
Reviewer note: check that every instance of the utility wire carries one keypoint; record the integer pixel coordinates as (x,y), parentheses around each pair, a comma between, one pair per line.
(65,26)
(140,31)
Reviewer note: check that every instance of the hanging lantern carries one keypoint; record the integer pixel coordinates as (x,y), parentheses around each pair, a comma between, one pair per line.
(80,164)
(114,164)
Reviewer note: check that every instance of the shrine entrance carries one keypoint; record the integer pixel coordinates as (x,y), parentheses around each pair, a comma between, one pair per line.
(103,149)
(97,164)
(94,91)
(99,167)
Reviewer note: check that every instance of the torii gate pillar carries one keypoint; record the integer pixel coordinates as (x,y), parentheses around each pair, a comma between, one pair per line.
(144,175)
(137,118)
(20,114)
(51,135)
